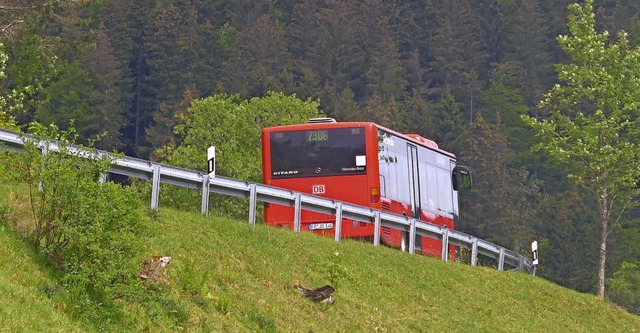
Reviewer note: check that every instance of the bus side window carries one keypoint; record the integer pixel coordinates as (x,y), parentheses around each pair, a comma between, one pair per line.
(445,195)
(461,178)
(432,188)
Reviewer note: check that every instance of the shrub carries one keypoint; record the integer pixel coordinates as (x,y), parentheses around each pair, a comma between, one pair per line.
(89,230)
(624,287)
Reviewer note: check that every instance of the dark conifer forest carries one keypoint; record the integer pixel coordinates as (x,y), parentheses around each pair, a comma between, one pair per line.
(461,72)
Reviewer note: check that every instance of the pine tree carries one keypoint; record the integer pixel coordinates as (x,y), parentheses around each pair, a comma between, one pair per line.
(107,100)
(445,122)
(259,61)
(346,109)
(161,133)
(617,15)
(305,78)
(334,50)
(384,75)
(67,99)
(525,42)
(508,218)
(503,99)
(126,24)
(459,52)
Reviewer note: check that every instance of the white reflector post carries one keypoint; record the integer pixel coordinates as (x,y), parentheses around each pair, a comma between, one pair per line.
(534,252)
(211,157)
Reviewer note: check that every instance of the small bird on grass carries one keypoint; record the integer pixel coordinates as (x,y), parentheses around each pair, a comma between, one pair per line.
(323,294)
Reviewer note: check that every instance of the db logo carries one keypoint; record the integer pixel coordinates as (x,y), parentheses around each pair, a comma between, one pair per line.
(318,189)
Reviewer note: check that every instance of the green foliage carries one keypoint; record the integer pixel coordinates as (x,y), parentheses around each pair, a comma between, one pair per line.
(594,124)
(446,122)
(524,42)
(624,287)
(234,128)
(389,61)
(251,271)
(89,230)
(511,214)
(30,66)
(503,99)
(594,112)
(335,271)
(67,99)
(227,36)
(567,252)
(6,120)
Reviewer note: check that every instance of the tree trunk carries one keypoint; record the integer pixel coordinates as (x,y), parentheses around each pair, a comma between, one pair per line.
(603,256)
(604,223)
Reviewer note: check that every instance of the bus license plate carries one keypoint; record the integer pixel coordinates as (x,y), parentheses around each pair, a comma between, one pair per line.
(320,226)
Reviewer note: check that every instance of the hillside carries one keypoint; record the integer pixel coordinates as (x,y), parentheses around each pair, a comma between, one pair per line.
(227,276)
(24,283)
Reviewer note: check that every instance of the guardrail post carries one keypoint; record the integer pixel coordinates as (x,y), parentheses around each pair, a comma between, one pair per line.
(205,194)
(501,260)
(102,178)
(338,220)
(155,187)
(252,204)
(474,251)
(445,244)
(376,230)
(521,264)
(296,212)
(412,236)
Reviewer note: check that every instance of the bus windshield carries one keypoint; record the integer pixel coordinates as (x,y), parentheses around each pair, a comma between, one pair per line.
(318,153)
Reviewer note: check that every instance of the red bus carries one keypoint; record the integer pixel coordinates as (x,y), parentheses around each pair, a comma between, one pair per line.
(365,164)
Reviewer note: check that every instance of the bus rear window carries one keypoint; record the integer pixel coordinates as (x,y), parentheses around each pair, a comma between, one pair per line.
(318,153)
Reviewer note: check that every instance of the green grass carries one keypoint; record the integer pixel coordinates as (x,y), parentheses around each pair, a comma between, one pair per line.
(24,285)
(227,276)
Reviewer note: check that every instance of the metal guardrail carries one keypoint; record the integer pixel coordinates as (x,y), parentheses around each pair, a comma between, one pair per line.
(159,173)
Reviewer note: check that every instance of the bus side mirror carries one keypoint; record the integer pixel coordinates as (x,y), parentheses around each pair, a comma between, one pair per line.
(461,178)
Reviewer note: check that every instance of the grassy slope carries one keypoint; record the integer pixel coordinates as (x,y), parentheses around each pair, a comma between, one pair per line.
(254,269)
(228,276)
(24,306)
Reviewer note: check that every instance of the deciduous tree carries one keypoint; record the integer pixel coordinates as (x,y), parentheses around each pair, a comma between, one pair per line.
(594,123)
(6,120)
(234,127)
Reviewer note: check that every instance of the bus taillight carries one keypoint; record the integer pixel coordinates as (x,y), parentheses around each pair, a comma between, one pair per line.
(375,195)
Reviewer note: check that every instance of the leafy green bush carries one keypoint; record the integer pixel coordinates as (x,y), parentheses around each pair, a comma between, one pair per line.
(624,287)
(8,172)
(89,230)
